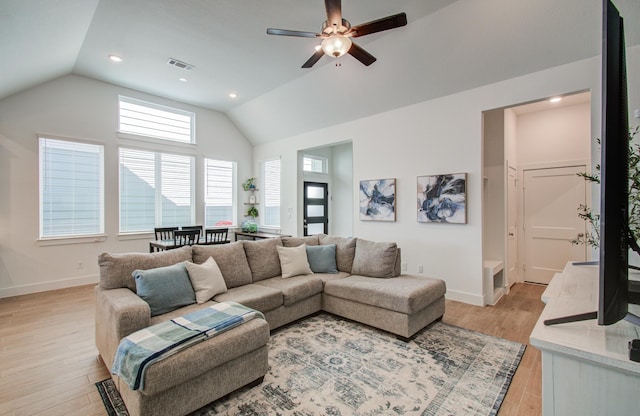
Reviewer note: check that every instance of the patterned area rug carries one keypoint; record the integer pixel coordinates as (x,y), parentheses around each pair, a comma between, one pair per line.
(325,365)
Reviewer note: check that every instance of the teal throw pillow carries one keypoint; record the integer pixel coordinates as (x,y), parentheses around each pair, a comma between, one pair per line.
(322,259)
(165,288)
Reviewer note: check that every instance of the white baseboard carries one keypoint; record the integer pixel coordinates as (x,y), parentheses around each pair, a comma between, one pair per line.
(46,286)
(465,297)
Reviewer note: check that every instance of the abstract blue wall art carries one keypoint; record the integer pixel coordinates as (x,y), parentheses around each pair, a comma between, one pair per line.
(442,198)
(378,200)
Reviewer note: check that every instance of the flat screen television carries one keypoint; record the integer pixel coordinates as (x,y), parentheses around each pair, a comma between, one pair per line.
(614,293)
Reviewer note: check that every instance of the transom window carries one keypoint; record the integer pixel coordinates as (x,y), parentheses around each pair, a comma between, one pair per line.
(156,121)
(71,188)
(315,164)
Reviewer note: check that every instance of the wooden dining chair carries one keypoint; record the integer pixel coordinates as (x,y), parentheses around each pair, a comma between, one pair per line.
(186,237)
(164,233)
(216,236)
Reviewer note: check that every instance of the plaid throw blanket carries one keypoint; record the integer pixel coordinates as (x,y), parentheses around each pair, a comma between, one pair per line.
(143,348)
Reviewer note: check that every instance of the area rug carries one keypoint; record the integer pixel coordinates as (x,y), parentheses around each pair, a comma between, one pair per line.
(325,365)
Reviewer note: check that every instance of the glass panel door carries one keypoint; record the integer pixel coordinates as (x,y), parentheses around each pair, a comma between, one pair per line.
(316,219)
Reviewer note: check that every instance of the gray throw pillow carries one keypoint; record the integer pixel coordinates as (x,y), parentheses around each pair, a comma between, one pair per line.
(165,288)
(322,259)
(375,259)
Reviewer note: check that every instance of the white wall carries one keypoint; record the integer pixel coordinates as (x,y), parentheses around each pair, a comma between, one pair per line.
(438,136)
(78,107)
(341,221)
(556,135)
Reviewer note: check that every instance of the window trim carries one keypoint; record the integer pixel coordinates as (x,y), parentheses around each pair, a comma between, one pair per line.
(158,152)
(263,195)
(72,238)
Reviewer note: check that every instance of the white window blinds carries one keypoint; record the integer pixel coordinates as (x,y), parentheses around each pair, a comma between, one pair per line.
(71,188)
(156,190)
(219,195)
(271,171)
(151,120)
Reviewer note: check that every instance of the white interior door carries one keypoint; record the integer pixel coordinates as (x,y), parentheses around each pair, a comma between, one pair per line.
(513,269)
(551,200)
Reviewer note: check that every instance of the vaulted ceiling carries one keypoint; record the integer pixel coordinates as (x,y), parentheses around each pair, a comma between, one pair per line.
(446,47)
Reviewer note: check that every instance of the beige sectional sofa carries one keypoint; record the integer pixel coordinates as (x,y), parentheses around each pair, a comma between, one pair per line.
(364,285)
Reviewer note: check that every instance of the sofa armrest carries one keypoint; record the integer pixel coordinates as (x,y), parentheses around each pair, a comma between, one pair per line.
(119,312)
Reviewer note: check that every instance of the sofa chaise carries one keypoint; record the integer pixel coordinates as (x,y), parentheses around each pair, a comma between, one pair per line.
(285,278)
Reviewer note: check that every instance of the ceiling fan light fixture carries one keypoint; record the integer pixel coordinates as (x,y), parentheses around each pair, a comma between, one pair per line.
(336,45)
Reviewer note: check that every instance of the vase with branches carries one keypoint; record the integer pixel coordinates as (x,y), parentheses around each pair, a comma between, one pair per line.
(592,237)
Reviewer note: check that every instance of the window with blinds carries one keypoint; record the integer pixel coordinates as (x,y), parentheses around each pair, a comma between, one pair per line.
(71,188)
(152,120)
(219,193)
(156,190)
(271,198)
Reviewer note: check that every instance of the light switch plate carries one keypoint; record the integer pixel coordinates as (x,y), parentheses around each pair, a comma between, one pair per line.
(636,113)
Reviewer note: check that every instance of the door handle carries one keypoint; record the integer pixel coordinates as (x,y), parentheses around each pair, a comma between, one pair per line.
(580,235)
(510,234)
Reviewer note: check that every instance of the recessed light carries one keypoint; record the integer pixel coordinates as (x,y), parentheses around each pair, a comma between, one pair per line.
(555,99)
(115,58)
(233,95)
(182,79)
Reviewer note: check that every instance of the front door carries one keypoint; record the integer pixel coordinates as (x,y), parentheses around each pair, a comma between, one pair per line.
(551,200)
(316,216)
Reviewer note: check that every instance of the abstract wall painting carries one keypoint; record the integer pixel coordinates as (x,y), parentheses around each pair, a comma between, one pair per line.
(378,200)
(443,198)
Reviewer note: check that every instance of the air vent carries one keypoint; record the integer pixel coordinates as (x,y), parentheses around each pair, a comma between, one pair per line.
(180,65)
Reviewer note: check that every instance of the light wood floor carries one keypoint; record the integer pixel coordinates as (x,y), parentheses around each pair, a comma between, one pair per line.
(49,363)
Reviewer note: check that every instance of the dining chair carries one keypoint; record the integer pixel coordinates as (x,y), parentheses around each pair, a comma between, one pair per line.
(216,236)
(186,237)
(192,227)
(164,233)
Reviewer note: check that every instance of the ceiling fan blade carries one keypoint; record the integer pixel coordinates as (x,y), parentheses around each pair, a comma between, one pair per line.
(361,55)
(385,23)
(334,12)
(314,58)
(296,33)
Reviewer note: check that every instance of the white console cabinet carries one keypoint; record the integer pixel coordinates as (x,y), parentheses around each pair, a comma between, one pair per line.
(585,367)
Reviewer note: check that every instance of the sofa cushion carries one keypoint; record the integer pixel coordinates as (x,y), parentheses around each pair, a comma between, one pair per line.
(295,288)
(406,294)
(293,261)
(254,296)
(263,259)
(322,259)
(206,279)
(116,269)
(310,240)
(375,259)
(231,260)
(165,288)
(345,250)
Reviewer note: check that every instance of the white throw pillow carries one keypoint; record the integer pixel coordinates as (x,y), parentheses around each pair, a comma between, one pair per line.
(293,261)
(206,279)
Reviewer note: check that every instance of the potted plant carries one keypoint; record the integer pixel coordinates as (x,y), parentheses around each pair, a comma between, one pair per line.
(249,184)
(252,212)
(592,237)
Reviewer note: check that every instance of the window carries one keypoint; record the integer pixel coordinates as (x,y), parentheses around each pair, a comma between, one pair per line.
(219,193)
(156,190)
(271,215)
(152,120)
(315,164)
(71,188)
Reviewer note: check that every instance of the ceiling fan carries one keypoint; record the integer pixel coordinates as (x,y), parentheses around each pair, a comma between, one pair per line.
(337,32)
